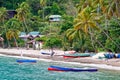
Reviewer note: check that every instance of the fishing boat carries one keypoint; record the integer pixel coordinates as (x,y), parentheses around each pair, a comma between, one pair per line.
(117,55)
(26,61)
(46,53)
(57,68)
(76,55)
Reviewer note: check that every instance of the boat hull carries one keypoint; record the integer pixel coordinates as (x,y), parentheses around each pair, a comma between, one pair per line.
(45,53)
(26,61)
(57,68)
(76,55)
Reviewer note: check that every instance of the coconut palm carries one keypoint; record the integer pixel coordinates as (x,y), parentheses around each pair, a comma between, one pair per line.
(83,4)
(43,4)
(3,16)
(99,5)
(75,35)
(87,22)
(13,29)
(22,14)
(13,34)
(113,9)
(109,11)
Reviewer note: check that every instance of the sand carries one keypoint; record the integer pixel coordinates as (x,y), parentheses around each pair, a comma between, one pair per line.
(112,64)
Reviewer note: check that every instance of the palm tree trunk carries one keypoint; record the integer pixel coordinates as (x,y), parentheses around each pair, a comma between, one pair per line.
(43,14)
(91,37)
(111,39)
(25,24)
(8,43)
(106,21)
(15,42)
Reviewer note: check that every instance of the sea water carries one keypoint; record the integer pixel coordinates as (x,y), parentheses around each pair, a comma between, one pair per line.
(11,70)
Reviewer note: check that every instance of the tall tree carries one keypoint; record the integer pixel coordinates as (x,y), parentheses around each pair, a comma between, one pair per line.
(43,4)
(3,16)
(13,29)
(23,13)
(113,8)
(83,4)
(76,35)
(87,22)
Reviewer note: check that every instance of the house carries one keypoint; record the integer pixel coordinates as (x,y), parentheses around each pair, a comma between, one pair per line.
(30,39)
(34,34)
(11,13)
(23,36)
(54,18)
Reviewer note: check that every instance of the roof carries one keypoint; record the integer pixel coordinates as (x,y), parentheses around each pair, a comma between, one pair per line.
(29,35)
(22,33)
(34,33)
(52,16)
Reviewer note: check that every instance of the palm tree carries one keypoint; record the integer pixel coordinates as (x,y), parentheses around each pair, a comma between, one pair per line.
(99,5)
(76,35)
(13,29)
(12,34)
(22,14)
(113,9)
(87,22)
(83,4)
(43,4)
(3,16)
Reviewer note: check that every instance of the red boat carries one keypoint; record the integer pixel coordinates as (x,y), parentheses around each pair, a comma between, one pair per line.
(66,69)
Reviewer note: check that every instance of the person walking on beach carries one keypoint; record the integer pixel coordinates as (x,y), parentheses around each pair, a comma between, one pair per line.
(52,53)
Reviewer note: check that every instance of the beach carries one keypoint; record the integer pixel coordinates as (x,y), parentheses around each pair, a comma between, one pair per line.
(111,64)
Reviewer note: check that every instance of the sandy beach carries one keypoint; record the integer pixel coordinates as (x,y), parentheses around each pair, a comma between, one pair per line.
(112,64)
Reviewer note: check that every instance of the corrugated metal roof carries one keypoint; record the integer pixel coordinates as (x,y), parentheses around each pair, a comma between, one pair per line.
(53,16)
(34,33)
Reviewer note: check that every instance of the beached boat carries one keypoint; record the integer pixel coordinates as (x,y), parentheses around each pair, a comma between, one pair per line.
(117,55)
(109,55)
(57,68)
(46,53)
(26,61)
(76,55)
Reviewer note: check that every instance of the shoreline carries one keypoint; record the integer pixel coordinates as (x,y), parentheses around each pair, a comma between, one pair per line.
(111,64)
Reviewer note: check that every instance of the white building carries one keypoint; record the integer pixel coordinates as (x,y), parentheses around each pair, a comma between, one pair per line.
(55,18)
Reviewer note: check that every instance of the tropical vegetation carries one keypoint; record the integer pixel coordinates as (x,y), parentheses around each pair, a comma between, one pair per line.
(92,25)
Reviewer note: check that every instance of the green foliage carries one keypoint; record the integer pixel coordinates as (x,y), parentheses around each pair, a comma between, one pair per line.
(42,39)
(114,32)
(21,43)
(13,23)
(55,9)
(10,4)
(34,15)
(53,42)
(34,5)
(67,23)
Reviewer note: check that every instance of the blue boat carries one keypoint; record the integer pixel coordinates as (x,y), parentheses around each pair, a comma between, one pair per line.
(46,53)
(57,68)
(117,55)
(26,60)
